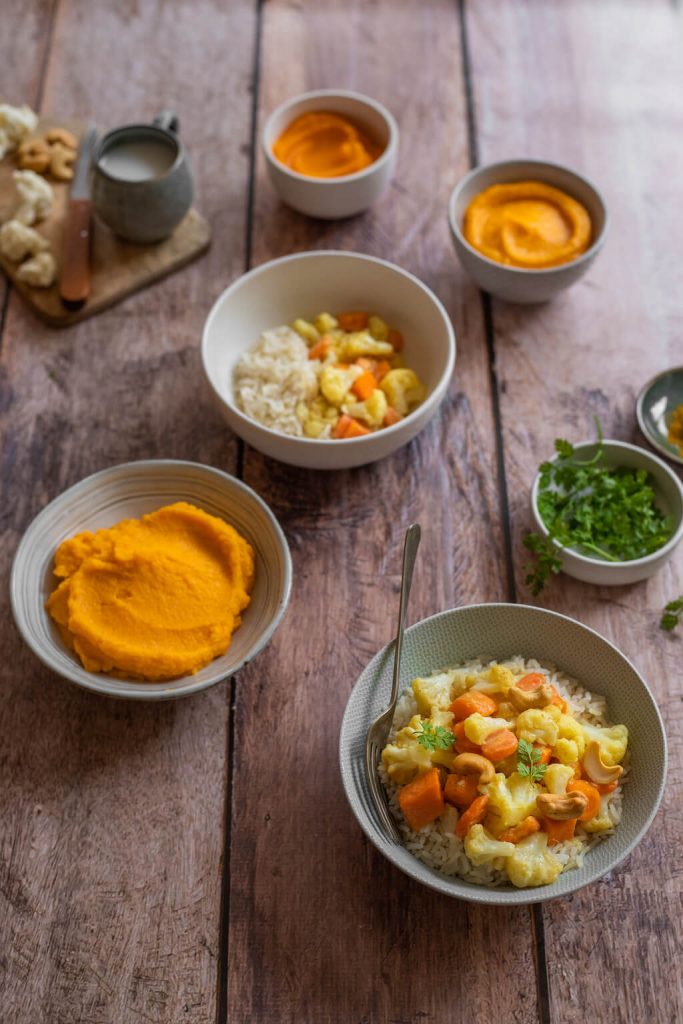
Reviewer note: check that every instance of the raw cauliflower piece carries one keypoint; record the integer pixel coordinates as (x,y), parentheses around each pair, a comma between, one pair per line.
(433,691)
(602,821)
(372,411)
(613,741)
(362,343)
(511,799)
(16,123)
(537,726)
(478,727)
(532,863)
(482,848)
(403,389)
(39,271)
(556,777)
(17,241)
(335,382)
(36,197)
(405,758)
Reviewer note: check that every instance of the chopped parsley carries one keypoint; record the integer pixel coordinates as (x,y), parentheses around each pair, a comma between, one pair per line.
(435,737)
(529,761)
(672,614)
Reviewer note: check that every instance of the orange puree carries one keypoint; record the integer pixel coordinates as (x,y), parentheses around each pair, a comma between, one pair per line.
(322,144)
(527,224)
(155,597)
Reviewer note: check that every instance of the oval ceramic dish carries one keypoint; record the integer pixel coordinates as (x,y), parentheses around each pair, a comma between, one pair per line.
(518,284)
(655,404)
(302,286)
(129,491)
(500,631)
(669,494)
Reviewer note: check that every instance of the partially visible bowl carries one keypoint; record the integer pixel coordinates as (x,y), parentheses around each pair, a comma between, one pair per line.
(331,198)
(669,493)
(501,631)
(306,284)
(129,491)
(654,406)
(517,284)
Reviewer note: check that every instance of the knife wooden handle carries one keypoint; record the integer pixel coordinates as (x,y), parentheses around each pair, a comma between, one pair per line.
(74,284)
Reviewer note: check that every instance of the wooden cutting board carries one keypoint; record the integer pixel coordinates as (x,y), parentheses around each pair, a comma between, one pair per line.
(118,268)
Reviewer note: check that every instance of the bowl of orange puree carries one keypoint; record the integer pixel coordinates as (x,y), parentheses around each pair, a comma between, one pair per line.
(330,153)
(525,230)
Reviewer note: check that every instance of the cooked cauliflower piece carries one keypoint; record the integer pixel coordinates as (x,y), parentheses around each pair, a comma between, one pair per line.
(405,758)
(17,241)
(532,863)
(307,330)
(569,729)
(433,691)
(378,328)
(512,799)
(16,124)
(556,777)
(602,821)
(537,726)
(482,848)
(361,343)
(566,751)
(372,411)
(335,382)
(39,271)
(613,741)
(36,197)
(325,322)
(478,727)
(498,679)
(403,389)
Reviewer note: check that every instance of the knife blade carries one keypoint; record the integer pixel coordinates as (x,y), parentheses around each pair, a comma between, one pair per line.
(74,282)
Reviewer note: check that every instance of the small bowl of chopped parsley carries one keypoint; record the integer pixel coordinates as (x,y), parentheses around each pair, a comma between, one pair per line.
(607,512)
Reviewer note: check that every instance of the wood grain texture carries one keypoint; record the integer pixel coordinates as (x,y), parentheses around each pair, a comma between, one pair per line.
(574,83)
(112,815)
(321,927)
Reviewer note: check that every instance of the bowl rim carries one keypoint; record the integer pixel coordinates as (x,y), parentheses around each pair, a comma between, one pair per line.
(386,156)
(157,691)
(322,443)
(665,549)
(647,434)
(443,883)
(584,257)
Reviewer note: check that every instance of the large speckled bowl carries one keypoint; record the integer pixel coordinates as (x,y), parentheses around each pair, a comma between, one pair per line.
(500,631)
(130,491)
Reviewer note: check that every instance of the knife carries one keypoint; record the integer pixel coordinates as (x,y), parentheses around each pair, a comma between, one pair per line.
(74,282)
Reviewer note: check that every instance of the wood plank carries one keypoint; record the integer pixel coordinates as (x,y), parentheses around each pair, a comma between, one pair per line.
(575,84)
(322,928)
(113,815)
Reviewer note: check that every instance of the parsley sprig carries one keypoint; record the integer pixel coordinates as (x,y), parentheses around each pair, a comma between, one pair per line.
(529,761)
(598,511)
(672,614)
(435,737)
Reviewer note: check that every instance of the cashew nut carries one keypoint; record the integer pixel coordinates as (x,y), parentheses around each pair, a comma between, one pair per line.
(524,700)
(61,163)
(63,137)
(474,764)
(562,808)
(34,155)
(596,769)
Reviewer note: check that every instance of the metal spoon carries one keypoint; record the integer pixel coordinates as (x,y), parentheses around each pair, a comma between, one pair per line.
(379,730)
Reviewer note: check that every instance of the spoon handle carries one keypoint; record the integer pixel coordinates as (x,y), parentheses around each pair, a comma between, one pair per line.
(412,543)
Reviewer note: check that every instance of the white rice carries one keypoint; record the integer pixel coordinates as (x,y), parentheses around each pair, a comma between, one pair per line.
(274,377)
(437,846)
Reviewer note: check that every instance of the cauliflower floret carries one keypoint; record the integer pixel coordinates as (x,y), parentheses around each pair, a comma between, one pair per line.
(325,322)
(532,863)
(16,123)
(306,329)
(433,691)
(556,777)
(335,382)
(512,799)
(372,411)
(35,194)
(501,678)
(378,328)
(537,726)
(403,389)
(566,751)
(602,821)
(478,727)
(362,343)
(613,741)
(482,848)
(569,729)
(39,271)
(443,719)
(17,241)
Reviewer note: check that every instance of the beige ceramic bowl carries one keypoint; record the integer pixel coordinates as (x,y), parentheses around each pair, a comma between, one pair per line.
(669,493)
(129,491)
(307,284)
(515,283)
(331,198)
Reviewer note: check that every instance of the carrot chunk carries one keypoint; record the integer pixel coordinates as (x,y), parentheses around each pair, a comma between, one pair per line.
(355,429)
(521,831)
(606,787)
(471,702)
(421,801)
(499,744)
(532,681)
(461,790)
(341,425)
(558,831)
(353,321)
(364,385)
(475,813)
(381,369)
(395,339)
(546,753)
(321,348)
(589,791)
(462,743)
(391,417)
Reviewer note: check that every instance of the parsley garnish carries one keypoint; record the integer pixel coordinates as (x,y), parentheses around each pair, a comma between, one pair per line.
(529,761)
(673,614)
(596,510)
(435,737)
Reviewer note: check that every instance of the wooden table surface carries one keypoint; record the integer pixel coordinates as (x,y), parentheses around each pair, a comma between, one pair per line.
(197,861)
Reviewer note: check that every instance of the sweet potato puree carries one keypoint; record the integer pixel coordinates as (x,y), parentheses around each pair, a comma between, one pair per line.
(527,224)
(155,597)
(322,144)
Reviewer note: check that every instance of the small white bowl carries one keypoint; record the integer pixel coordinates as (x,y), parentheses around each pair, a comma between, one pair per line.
(130,491)
(302,286)
(517,284)
(331,198)
(669,494)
